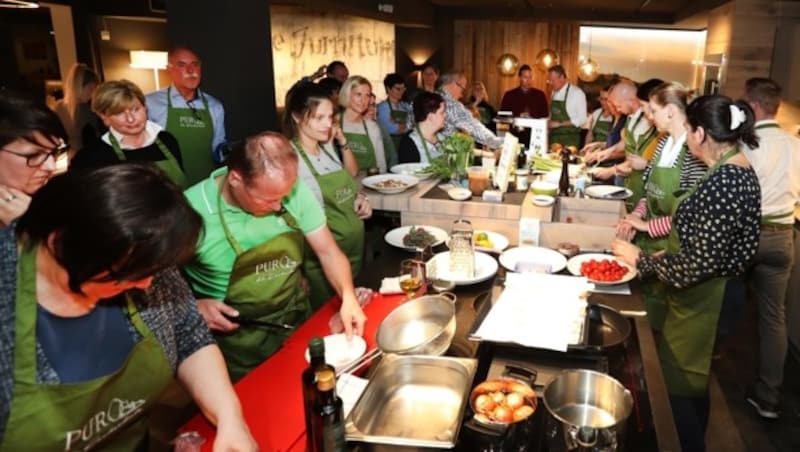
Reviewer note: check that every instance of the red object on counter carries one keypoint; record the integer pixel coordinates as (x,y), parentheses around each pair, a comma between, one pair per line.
(272,395)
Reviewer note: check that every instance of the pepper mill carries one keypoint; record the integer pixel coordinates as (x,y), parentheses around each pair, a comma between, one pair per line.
(563,182)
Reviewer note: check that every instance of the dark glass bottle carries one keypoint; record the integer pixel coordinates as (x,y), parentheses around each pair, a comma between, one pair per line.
(563,182)
(316,352)
(327,423)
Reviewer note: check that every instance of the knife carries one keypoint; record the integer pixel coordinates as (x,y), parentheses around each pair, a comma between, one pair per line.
(260,323)
(616,193)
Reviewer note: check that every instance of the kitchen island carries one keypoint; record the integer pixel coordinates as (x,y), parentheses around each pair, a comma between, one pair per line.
(271,395)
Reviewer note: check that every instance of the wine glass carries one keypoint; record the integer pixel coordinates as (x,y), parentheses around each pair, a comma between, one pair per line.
(412,276)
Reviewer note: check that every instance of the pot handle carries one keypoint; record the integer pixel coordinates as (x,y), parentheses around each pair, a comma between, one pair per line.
(493,430)
(450,296)
(528,375)
(583,436)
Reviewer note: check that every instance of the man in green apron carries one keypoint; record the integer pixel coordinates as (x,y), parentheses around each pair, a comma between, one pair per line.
(567,109)
(195,118)
(602,120)
(248,263)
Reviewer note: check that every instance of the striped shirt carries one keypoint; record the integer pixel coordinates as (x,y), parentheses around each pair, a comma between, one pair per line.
(692,170)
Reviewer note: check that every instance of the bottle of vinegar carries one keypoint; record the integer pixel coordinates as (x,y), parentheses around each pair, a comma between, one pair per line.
(327,423)
(316,351)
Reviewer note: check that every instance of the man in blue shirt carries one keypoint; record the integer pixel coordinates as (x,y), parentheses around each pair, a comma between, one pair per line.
(195,118)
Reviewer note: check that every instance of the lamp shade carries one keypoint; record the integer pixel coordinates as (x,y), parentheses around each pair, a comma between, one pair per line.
(18,4)
(546,59)
(148,59)
(588,71)
(507,64)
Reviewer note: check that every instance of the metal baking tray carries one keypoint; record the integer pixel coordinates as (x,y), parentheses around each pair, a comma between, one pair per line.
(413,400)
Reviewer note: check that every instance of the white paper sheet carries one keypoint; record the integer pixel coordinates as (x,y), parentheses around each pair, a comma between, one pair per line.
(538,310)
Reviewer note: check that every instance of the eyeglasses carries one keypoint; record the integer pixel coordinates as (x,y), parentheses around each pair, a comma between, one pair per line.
(37,159)
(195,112)
(464,87)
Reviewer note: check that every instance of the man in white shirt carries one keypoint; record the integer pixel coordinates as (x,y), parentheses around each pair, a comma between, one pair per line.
(567,109)
(776,161)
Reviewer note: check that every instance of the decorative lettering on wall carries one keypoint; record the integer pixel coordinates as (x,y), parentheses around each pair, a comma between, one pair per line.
(303,42)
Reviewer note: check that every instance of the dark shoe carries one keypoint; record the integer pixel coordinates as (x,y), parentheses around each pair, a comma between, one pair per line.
(764,409)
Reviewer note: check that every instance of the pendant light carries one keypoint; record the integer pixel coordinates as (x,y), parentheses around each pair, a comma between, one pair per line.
(507,64)
(18,4)
(588,69)
(546,59)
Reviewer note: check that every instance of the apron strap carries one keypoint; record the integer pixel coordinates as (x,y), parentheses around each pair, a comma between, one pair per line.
(116,147)
(770,219)
(770,125)
(424,144)
(302,152)
(25,311)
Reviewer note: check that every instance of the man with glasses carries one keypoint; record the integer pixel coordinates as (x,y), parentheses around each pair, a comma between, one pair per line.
(394,115)
(32,145)
(567,109)
(195,118)
(457,116)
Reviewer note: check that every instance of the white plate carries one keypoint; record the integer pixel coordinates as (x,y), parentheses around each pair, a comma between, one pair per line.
(418,170)
(395,236)
(485,268)
(574,267)
(499,241)
(407,181)
(340,352)
(600,192)
(543,200)
(533,255)
(555,175)
(459,194)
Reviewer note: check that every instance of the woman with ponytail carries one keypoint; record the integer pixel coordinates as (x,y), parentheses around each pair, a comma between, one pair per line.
(714,235)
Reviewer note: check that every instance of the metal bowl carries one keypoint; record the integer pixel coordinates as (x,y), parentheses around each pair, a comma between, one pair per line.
(422,326)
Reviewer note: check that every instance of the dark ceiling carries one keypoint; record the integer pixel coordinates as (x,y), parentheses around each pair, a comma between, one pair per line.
(641,11)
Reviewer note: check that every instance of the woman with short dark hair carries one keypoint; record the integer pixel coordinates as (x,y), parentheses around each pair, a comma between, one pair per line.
(394,114)
(94,315)
(32,139)
(424,143)
(714,236)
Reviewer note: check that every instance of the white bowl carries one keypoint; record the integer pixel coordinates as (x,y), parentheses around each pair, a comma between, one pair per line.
(543,200)
(541,187)
(459,193)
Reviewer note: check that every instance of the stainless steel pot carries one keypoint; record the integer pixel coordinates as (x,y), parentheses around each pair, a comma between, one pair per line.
(587,410)
(422,326)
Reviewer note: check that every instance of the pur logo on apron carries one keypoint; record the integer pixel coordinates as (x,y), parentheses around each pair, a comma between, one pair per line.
(275,268)
(191,122)
(654,190)
(343,194)
(104,423)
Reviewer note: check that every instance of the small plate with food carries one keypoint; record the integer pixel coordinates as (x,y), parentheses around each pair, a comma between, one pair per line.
(489,241)
(413,238)
(418,170)
(485,268)
(532,259)
(601,269)
(389,184)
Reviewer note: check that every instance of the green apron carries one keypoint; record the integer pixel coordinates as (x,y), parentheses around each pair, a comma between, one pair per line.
(105,412)
(636,146)
(661,187)
(424,146)
(265,284)
(485,116)
(339,192)
(601,128)
(398,117)
(567,135)
(194,130)
(170,166)
(362,147)
(690,326)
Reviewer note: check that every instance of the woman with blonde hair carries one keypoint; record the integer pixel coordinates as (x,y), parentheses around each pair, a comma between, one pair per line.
(363,134)
(75,111)
(131,136)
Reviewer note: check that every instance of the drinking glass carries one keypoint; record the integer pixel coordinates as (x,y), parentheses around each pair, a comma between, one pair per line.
(412,276)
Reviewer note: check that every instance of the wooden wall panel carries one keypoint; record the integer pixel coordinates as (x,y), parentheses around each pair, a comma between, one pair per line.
(479,43)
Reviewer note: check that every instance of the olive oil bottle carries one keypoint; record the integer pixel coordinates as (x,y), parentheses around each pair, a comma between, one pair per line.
(316,352)
(327,423)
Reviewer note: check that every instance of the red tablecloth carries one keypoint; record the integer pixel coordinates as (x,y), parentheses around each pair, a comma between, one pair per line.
(271,395)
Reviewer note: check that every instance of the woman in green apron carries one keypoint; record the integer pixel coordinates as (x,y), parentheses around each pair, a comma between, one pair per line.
(672,168)
(602,119)
(258,220)
(309,122)
(130,136)
(394,115)
(91,349)
(363,134)
(424,143)
(714,235)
